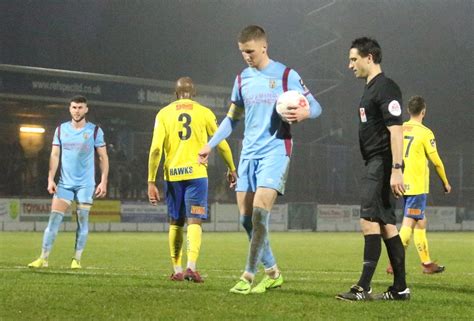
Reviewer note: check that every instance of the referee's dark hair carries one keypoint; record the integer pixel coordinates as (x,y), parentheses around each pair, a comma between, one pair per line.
(367,46)
(78,99)
(416,104)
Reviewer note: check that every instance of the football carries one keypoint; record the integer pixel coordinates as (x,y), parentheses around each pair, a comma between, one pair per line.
(290,100)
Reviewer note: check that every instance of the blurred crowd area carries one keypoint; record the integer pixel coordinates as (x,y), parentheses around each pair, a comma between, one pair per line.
(321,173)
(25,174)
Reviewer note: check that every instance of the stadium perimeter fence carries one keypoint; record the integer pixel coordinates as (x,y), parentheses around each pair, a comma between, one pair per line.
(121,216)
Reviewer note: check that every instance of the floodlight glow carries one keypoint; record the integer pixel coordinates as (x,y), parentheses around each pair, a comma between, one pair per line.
(28,129)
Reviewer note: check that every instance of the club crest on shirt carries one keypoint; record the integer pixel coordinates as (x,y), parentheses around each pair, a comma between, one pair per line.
(433,143)
(272,83)
(85,135)
(394,108)
(363,116)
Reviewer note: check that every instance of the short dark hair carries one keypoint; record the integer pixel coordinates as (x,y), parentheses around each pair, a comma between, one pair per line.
(252,32)
(416,104)
(78,99)
(367,46)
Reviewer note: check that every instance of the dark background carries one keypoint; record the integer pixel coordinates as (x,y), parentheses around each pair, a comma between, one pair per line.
(427,49)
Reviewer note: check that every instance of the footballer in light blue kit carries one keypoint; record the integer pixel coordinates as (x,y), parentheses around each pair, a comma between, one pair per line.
(74,146)
(266,150)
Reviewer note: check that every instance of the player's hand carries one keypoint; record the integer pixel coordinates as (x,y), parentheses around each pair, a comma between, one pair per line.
(153,194)
(396,183)
(296,114)
(447,188)
(204,154)
(52,188)
(101,190)
(231,178)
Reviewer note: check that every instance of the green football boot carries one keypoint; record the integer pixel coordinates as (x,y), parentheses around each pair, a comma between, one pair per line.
(268,283)
(242,287)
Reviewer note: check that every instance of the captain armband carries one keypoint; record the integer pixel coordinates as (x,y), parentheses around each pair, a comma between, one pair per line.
(235,112)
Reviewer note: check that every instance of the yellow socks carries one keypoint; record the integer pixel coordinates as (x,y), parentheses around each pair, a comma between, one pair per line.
(175,237)
(421,244)
(405,235)
(193,244)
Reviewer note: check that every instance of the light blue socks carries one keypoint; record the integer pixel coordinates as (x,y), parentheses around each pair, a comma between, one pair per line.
(268,259)
(260,218)
(55,220)
(82,230)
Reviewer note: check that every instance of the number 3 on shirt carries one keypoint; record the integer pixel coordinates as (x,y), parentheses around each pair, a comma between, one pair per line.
(410,138)
(186,132)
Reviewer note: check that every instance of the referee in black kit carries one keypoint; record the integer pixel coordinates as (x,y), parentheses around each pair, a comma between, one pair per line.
(381,145)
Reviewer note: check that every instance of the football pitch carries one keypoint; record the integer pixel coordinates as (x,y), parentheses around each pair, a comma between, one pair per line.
(125,277)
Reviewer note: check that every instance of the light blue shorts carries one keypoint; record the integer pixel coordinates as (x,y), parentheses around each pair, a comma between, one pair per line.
(415,206)
(269,172)
(187,198)
(81,194)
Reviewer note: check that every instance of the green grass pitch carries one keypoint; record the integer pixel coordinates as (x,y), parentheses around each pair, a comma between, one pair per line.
(125,277)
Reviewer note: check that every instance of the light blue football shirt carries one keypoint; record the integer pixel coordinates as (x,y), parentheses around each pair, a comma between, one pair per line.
(257,92)
(77,153)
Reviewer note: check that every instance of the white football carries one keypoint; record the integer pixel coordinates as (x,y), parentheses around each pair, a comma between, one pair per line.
(290,100)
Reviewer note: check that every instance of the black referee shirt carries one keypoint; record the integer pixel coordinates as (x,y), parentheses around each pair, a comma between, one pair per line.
(380,107)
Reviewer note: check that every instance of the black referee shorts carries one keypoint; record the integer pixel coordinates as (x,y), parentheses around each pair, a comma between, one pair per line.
(377,201)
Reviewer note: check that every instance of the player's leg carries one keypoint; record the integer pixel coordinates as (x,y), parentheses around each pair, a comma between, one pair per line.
(396,254)
(406,229)
(245,192)
(196,211)
(174,192)
(84,203)
(60,204)
(371,189)
(421,243)
(372,250)
(393,242)
(263,202)
(245,204)
(246,187)
(411,214)
(271,174)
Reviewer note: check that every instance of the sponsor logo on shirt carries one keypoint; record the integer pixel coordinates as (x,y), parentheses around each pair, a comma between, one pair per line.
(433,143)
(363,116)
(181,171)
(394,108)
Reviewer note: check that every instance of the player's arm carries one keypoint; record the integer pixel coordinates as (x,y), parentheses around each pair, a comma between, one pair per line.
(101,189)
(390,102)
(396,145)
(226,127)
(53,168)
(100,147)
(430,149)
(299,114)
(156,150)
(235,113)
(224,150)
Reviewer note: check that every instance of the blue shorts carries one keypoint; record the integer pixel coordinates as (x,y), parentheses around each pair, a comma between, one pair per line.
(270,172)
(81,194)
(415,206)
(187,198)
